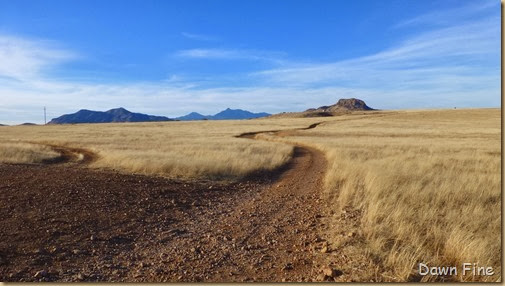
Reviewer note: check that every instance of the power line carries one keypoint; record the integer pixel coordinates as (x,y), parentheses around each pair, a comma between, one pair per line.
(45,121)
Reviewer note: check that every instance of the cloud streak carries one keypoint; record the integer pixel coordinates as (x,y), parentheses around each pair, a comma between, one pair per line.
(444,17)
(199,37)
(450,59)
(25,58)
(231,54)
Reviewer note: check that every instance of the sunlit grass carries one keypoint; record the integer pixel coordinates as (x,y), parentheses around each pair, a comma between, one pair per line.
(174,149)
(427,183)
(11,152)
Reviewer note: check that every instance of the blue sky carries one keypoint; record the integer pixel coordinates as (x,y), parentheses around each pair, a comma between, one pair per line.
(173,57)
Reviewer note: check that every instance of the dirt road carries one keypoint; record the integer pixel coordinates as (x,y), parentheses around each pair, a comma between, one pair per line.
(66,222)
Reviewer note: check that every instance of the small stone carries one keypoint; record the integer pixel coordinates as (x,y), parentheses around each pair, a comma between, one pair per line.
(331,272)
(40,251)
(324,249)
(92,238)
(328,271)
(76,251)
(351,234)
(62,256)
(321,277)
(40,274)
(81,276)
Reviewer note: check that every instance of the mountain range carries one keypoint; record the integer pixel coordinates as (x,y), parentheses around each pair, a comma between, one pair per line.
(113,115)
(123,115)
(224,115)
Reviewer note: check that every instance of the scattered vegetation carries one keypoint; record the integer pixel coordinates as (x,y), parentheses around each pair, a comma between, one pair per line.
(19,152)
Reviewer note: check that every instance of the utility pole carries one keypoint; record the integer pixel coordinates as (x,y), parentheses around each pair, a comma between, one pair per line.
(45,121)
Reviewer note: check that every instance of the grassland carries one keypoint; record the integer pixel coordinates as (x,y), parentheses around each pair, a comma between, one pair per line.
(20,152)
(173,149)
(427,183)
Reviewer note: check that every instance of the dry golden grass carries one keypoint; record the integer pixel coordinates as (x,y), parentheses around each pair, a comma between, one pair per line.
(11,152)
(174,149)
(427,183)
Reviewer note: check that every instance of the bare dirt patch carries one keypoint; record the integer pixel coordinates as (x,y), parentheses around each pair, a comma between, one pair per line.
(66,222)
(70,154)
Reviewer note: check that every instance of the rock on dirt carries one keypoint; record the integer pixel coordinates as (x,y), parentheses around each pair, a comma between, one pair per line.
(41,273)
(331,272)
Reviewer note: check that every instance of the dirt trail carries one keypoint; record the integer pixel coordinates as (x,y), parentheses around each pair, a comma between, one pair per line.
(276,231)
(69,154)
(78,224)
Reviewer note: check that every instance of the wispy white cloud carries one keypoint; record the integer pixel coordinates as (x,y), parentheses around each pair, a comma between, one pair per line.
(199,37)
(448,17)
(457,58)
(231,54)
(22,58)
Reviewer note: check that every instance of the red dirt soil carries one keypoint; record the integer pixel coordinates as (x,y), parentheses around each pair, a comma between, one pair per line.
(66,222)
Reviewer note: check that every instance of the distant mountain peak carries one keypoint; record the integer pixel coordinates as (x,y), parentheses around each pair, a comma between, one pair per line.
(113,115)
(343,104)
(119,109)
(121,114)
(227,114)
(352,104)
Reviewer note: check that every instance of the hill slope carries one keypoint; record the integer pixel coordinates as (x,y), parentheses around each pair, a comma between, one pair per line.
(193,116)
(238,114)
(227,114)
(343,106)
(113,115)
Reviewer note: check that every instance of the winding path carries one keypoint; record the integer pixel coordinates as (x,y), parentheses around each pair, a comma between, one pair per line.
(282,221)
(69,154)
(151,229)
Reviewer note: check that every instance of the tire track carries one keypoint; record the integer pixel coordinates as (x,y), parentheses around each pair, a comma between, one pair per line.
(283,220)
(69,154)
(246,231)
